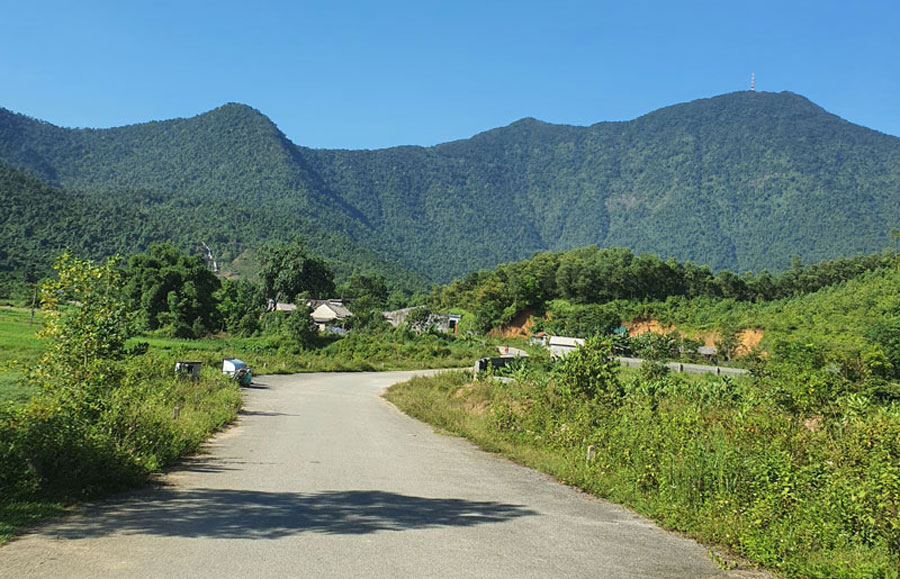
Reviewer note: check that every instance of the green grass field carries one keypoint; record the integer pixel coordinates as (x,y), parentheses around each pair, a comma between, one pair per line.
(18,347)
(271,354)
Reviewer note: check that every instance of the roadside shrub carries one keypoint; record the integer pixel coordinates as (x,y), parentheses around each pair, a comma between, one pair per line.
(301,328)
(591,372)
(105,415)
(656,347)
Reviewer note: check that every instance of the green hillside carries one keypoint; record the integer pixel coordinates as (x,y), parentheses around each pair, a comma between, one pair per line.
(39,221)
(740,181)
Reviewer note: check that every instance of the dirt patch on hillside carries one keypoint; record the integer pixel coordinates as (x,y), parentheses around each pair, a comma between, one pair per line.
(748,341)
(519,326)
(638,327)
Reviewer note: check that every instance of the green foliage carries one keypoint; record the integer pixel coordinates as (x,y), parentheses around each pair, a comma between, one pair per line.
(589,290)
(590,372)
(368,289)
(241,304)
(173,292)
(103,418)
(741,181)
(567,319)
(418,318)
(288,272)
(385,348)
(86,326)
(301,328)
(19,347)
(885,334)
(41,221)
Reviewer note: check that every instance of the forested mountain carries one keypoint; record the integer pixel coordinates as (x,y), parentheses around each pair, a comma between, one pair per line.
(741,181)
(39,221)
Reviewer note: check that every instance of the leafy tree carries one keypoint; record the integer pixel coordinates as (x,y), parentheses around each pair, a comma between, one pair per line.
(173,291)
(86,325)
(241,303)
(287,271)
(369,287)
(886,334)
(418,318)
(301,328)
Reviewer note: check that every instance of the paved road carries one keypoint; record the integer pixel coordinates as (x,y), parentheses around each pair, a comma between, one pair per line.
(323,478)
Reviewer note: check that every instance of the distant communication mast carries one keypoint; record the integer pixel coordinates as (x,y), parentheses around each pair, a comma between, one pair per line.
(752,82)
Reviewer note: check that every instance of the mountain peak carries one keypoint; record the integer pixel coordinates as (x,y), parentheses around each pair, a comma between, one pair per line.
(235,110)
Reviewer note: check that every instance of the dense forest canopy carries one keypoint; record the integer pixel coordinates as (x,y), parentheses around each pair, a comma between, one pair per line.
(742,181)
(40,221)
(591,280)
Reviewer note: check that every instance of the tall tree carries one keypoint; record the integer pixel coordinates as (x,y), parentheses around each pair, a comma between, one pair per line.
(286,271)
(174,291)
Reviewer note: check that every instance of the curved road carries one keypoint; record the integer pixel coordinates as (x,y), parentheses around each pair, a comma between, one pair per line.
(323,478)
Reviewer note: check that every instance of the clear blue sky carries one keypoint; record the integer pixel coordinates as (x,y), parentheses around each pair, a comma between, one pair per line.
(373,74)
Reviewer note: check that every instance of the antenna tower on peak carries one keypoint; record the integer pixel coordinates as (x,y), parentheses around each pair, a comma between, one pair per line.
(752,82)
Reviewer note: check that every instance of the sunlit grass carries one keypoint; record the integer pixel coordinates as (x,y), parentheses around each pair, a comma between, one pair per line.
(18,347)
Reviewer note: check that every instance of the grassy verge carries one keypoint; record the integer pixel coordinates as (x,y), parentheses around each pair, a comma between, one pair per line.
(715,458)
(17,515)
(55,452)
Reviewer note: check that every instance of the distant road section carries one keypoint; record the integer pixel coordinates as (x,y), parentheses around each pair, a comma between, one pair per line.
(323,478)
(689,368)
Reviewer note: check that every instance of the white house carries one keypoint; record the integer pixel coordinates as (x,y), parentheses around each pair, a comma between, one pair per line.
(330,312)
(560,346)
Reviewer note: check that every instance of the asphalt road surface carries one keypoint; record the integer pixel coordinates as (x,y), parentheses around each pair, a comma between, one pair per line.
(323,478)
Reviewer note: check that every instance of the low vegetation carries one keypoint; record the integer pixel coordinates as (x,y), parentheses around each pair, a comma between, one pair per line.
(809,490)
(796,467)
(104,416)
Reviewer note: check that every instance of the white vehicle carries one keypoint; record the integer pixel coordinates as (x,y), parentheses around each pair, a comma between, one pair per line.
(237,369)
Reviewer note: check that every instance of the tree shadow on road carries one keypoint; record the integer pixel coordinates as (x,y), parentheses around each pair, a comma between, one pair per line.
(235,514)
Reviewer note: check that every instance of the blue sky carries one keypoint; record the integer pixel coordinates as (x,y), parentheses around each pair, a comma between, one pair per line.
(375,74)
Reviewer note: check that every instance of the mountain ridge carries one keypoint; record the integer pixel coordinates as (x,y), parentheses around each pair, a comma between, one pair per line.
(744,180)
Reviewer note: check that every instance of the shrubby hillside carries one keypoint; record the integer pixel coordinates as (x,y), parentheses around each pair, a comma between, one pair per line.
(740,181)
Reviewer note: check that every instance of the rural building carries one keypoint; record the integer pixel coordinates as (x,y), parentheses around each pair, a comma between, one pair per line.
(285,307)
(560,346)
(397,318)
(329,313)
(440,322)
(707,352)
